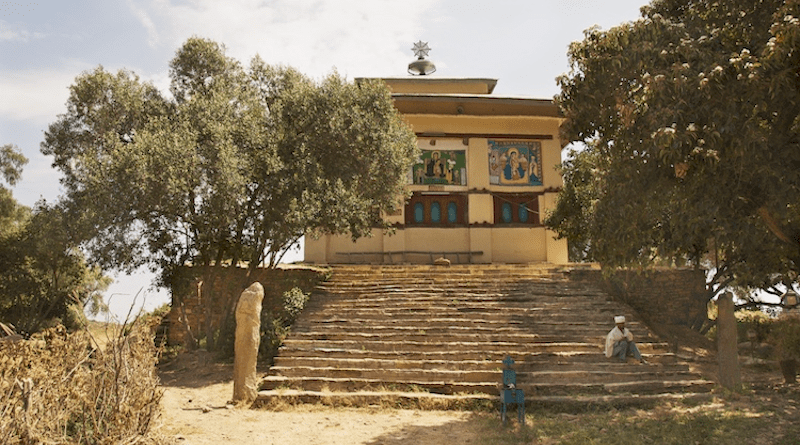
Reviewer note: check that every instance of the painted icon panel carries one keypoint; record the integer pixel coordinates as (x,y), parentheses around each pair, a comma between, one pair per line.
(515,163)
(443,167)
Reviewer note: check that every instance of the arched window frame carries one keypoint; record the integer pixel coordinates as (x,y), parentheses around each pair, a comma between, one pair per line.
(445,202)
(517,205)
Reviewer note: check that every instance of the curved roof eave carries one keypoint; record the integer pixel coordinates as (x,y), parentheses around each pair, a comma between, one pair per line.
(474,105)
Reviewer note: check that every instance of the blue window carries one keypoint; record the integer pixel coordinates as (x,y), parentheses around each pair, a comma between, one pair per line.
(436,212)
(523,213)
(452,212)
(506,212)
(419,212)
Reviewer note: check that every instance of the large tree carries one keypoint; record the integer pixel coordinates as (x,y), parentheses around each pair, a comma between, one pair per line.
(689,119)
(235,166)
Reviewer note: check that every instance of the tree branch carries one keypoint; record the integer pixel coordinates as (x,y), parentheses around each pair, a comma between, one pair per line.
(774,227)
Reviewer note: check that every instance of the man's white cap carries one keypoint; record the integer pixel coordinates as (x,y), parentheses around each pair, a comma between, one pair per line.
(619,319)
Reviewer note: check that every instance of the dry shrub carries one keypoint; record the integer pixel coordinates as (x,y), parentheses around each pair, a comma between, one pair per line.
(62,390)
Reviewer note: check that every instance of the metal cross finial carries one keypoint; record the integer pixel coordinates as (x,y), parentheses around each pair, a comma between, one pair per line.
(421,49)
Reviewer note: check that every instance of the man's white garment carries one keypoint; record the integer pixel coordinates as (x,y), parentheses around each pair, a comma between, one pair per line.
(614,336)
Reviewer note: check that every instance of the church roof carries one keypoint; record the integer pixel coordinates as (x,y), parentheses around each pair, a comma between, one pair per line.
(461,96)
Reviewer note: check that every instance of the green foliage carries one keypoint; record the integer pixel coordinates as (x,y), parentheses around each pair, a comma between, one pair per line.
(689,119)
(294,300)
(11,213)
(11,162)
(760,323)
(44,282)
(44,279)
(275,325)
(786,333)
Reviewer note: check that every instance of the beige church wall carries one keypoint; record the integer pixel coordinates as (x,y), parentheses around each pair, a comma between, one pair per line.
(528,125)
(394,242)
(429,239)
(441,144)
(481,208)
(518,245)
(547,203)
(499,245)
(557,249)
(315,250)
(478,163)
(480,239)
(343,243)
(551,157)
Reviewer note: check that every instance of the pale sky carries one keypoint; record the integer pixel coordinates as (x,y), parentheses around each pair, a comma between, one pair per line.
(45,44)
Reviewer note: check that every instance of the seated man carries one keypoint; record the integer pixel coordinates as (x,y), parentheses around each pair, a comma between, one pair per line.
(619,342)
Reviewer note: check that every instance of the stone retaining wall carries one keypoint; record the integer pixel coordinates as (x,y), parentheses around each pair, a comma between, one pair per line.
(275,283)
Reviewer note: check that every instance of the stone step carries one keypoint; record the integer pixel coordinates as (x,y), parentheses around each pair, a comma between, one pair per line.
(664,362)
(466,336)
(476,290)
(554,355)
(433,274)
(559,312)
(478,286)
(464,359)
(506,347)
(445,271)
(562,309)
(461,402)
(421,299)
(346,273)
(619,375)
(385,399)
(437,323)
(546,319)
(477,314)
(444,327)
(410,335)
(351,384)
(533,284)
(511,279)
(465,296)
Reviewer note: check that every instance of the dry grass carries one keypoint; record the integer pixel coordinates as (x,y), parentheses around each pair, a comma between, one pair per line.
(63,388)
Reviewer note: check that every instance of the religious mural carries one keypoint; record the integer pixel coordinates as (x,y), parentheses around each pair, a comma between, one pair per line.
(441,167)
(515,162)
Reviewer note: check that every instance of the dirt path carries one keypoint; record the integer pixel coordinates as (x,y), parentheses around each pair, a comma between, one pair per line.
(196,392)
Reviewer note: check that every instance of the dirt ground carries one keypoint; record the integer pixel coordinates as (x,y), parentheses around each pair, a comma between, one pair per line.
(196,412)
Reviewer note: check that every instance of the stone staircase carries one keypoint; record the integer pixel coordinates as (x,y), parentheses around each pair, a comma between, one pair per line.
(435,337)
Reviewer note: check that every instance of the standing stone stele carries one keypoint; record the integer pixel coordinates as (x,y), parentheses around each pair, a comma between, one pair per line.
(248,337)
(727,345)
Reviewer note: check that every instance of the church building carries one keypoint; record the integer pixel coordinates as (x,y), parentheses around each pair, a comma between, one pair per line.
(481,186)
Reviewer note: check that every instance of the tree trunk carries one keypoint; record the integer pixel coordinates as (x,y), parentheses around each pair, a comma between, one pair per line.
(727,346)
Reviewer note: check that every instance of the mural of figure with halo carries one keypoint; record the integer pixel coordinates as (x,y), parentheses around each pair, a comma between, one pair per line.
(445,167)
(515,162)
